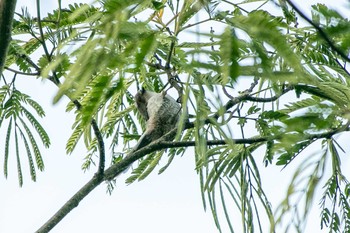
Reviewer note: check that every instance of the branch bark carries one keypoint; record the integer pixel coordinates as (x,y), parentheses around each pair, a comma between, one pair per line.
(7,11)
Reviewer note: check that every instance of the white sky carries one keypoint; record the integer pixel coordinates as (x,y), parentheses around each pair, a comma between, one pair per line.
(170,202)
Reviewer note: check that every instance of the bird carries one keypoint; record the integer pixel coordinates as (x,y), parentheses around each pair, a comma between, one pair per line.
(161,112)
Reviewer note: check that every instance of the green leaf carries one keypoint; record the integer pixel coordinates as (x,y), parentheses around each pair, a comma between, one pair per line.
(30,159)
(146,46)
(223,202)
(35,148)
(74,138)
(138,172)
(3,93)
(39,129)
(294,106)
(262,26)
(92,101)
(7,145)
(151,165)
(158,5)
(189,9)
(273,115)
(36,106)
(290,147)
(229,52)
(335,157)
(19,168)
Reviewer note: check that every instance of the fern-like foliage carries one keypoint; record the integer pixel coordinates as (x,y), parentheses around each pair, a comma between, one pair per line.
(21,126)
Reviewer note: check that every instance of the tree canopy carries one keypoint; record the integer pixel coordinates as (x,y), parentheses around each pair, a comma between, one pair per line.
(261,81)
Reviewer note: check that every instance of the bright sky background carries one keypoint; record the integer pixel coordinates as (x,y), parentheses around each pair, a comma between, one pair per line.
(170,202)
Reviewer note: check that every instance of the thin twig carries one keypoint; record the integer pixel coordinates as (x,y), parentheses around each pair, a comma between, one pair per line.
(20,72)
(194,24)
(42,40)
(269,99)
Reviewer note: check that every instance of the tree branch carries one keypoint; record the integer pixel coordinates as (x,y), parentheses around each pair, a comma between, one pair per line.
(322,33)
(87,188)
(101,147)
(97,179)
(71,204)
(7,11)
(159,144)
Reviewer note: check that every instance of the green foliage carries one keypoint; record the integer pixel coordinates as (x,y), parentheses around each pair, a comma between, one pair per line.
(269,80)
(14,112)
(189,9)
(336,217)
(145,167)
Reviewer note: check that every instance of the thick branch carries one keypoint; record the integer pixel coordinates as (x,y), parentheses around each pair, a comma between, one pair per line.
(7,11)
(109,174)
(71,204)
(322,33)
(161,144)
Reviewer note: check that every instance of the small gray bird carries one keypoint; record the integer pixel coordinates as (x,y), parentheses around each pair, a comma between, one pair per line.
(160,111)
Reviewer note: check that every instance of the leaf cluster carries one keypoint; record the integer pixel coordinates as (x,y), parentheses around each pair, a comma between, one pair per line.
(17,115)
